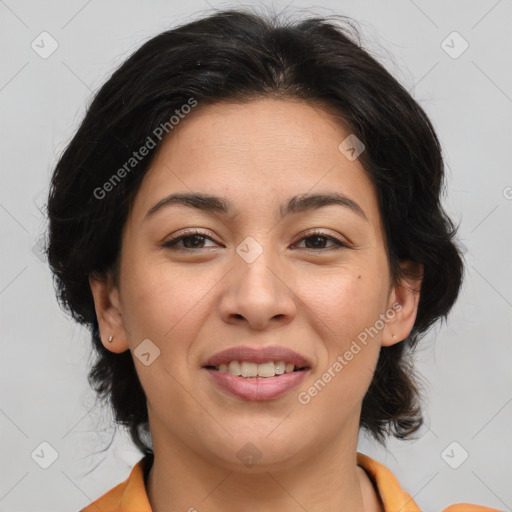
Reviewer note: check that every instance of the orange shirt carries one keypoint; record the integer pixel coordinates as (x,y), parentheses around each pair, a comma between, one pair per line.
(131,496)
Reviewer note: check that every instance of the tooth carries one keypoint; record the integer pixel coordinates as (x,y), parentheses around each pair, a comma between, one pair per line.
(266,369)
(234,368)
(280,367)
(249,369)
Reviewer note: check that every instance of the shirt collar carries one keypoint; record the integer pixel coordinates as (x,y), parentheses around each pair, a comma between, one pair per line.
(393,497)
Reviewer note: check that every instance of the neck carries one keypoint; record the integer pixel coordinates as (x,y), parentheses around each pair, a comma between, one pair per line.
(328,481)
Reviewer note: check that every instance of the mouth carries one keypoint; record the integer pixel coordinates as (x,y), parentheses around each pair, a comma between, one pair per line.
(262,373)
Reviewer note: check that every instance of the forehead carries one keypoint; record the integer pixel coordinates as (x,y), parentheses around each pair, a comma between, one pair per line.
(256,154)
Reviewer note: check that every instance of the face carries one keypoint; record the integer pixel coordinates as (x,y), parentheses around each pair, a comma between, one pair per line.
(196,281)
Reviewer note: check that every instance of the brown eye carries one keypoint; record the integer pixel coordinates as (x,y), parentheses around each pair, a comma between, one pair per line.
(193,240)
(317,241)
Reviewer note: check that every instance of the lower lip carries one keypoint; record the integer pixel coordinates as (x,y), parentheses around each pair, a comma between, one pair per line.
(266,388)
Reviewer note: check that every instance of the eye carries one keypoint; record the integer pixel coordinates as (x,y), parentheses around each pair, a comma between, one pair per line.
(318,239)
(192,240)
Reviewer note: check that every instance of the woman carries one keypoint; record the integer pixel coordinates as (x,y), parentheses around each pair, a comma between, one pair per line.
(249,222)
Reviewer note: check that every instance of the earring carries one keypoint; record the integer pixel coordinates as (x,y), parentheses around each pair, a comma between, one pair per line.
(110,338)
(394,337)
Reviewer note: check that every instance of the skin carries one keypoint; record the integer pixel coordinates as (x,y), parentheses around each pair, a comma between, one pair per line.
(314,299)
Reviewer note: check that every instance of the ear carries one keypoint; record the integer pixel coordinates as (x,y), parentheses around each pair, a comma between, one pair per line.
(108,313)
(403,301)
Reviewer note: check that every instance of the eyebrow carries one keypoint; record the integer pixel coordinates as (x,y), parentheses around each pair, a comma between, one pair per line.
(296,204)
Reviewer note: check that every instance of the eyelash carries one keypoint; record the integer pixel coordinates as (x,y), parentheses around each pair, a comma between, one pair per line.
(172,244)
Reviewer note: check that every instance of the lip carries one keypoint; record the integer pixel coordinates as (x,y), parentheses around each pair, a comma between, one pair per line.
(258,389)
(258,355)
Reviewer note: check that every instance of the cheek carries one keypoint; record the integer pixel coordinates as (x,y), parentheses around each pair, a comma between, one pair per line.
(162,303)
(337,390)
(346,300)
(164,307)
(347,312)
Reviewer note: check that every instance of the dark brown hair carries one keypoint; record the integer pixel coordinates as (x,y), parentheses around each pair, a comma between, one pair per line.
(239,55)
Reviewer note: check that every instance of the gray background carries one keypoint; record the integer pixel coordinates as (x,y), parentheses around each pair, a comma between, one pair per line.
(466,363)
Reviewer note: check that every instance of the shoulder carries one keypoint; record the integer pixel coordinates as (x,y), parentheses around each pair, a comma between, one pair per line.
(109,501)
(129,495)
(394,498)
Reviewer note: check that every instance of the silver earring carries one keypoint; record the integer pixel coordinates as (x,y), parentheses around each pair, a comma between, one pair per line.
(110,338)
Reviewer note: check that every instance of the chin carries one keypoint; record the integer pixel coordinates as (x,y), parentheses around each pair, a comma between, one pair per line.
(260,452)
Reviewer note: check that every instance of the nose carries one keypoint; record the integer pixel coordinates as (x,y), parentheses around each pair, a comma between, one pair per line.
(258,293)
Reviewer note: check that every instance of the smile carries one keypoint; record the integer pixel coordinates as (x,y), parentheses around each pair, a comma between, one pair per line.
(254,370)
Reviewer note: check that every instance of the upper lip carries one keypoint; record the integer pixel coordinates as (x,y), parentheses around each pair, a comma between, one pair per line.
(258,355)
